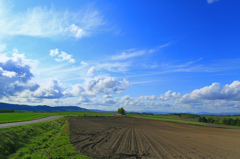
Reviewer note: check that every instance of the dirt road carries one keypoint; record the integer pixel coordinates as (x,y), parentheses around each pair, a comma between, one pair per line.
(124,137)
(29,122)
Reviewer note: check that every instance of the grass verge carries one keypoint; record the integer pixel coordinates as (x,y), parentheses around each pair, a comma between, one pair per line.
(41,140)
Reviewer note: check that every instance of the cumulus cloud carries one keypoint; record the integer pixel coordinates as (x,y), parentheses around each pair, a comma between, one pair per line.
(45,22)
(105,85)
(54,52)
(167,96)
(214,92)
(211,1)
(76,31)
(77,90)
(99,85)
(62,56)
(52,89)
(15,75)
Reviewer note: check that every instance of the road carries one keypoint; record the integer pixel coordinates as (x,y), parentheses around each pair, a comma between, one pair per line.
(29,122)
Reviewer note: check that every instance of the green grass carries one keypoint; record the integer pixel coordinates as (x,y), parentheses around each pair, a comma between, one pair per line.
(24,116)
(167,118)
(15,117)
(40,140)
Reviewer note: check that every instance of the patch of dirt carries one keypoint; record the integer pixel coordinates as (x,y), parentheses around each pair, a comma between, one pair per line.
(124,137)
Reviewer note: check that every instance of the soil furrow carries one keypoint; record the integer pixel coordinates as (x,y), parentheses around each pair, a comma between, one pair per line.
(123,137)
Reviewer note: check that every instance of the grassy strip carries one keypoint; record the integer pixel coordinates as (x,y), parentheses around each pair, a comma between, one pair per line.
(16,117)
(54,144)
(40,140)
(167,118)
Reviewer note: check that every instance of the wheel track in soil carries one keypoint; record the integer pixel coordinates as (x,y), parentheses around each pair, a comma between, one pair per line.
(123,137)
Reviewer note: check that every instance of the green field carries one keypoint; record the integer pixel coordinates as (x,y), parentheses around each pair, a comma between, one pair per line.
(167,118)
(24,116)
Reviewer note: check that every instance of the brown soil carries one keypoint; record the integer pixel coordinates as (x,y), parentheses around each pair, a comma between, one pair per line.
(124,137)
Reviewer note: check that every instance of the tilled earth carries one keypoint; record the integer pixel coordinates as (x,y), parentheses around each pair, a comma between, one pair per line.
(124,137)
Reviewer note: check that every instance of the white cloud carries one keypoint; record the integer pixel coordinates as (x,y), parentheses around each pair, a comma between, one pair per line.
(77,90)
(129,54)
(45,22)
(15,75)
(62,56)
(54,52)
(211,1)
(113,67)
(168,96)
(52,89)
(229,92)
(99,85)
(159,47)
(163,97)
(107,96)
(76,31)
(83,63)
(105,85)
(91,71)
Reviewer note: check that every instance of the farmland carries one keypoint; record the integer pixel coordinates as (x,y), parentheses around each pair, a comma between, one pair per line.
(169,118)
(124,137)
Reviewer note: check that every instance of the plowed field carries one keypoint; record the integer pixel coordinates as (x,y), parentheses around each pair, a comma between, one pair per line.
(124,137)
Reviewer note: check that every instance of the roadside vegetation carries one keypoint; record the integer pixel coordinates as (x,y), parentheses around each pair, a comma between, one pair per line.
(40,140)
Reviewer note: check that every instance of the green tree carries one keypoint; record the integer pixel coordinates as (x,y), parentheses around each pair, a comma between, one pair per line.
(238,122)
(202,119)
(229,121)
(210,119)
(121,111)
(234,122)
(224,121)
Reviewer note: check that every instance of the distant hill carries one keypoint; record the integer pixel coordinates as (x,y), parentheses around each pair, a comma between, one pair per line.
(40,108)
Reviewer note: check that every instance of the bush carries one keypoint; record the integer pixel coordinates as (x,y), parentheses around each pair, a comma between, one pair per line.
(121,111)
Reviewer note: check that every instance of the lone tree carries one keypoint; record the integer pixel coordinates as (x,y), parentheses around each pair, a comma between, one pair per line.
(121,111)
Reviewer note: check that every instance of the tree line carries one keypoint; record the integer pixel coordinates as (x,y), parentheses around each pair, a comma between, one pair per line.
(7,110)
(224,121)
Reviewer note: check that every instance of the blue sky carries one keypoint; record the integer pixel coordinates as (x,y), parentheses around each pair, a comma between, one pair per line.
(163,56)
